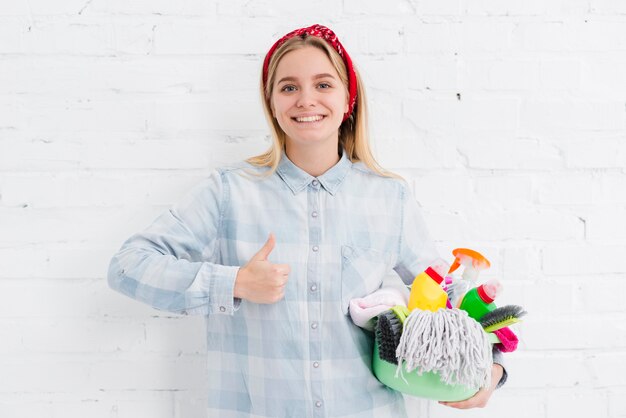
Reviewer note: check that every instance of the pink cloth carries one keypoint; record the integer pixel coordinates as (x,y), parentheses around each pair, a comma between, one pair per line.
(508,340)
(363,310)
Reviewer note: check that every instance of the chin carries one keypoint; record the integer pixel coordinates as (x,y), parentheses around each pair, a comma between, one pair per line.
(308,140)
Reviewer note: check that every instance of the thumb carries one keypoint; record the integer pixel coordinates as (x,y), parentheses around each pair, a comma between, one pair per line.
(266,249)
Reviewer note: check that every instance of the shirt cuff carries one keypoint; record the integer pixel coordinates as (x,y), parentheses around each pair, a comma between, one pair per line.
(220,281)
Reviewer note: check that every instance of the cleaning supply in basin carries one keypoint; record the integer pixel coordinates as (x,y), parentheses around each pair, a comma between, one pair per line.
(441,266)
(449,290)
(508,340)
(502,317)
(364,310)
(479,300)
(457,289)
(388,331)
(472,261)
(426,291)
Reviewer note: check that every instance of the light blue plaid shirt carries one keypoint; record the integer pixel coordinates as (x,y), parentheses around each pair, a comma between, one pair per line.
(340,233)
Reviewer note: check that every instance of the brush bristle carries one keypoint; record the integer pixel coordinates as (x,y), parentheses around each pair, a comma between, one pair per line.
(501,315)
(388,331)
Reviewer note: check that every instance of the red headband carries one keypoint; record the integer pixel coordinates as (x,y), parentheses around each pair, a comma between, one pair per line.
(330,37)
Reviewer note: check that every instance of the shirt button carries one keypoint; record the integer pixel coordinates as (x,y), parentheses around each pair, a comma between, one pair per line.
(315,183)
(314,214)
(222,309)
(313,288)
(314,325)
(318,404)
(316,364)
(316,248)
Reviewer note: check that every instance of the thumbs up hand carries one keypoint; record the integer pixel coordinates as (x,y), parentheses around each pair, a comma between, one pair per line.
(261,281)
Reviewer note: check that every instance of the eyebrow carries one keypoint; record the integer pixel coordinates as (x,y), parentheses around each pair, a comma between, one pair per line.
(315,77)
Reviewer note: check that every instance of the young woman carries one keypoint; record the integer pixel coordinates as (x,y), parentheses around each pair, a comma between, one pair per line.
(272,250)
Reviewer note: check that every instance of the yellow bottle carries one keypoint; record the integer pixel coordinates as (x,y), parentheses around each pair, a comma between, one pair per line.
(426,292)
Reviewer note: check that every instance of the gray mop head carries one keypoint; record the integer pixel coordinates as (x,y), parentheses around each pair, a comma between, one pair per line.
(447,342)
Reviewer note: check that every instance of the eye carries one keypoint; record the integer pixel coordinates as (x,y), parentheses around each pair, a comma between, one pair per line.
(324,85)
(288,88)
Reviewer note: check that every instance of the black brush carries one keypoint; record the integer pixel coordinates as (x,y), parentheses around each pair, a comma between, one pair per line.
(502,317)
(388,331)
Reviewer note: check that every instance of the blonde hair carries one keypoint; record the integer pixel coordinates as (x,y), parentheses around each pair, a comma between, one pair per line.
(353,132)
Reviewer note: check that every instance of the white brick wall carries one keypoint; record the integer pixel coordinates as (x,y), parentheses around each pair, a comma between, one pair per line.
(508,117)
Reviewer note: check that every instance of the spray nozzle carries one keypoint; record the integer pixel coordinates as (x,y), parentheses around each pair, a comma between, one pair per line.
(472,261)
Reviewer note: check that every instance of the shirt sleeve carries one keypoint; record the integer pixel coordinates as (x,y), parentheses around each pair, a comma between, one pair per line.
(172,264)
(498,358)
(416,249)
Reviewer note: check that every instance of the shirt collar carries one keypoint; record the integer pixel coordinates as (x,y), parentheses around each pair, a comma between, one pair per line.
(297,179)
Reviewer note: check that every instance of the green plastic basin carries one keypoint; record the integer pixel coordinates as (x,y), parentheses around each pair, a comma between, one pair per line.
(427,385)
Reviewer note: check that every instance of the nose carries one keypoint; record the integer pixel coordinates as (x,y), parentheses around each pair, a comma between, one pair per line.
(306,98)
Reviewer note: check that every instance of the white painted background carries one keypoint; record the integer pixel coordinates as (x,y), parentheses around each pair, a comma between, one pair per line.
(507,116)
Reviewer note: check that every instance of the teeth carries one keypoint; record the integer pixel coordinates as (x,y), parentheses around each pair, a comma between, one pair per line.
(310,118)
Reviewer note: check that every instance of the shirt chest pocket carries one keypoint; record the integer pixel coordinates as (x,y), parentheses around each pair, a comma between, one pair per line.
(362,272)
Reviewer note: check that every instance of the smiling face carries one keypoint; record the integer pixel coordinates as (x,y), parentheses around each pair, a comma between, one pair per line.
(308,98)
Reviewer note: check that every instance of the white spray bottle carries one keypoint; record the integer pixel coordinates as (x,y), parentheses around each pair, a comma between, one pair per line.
(473,263)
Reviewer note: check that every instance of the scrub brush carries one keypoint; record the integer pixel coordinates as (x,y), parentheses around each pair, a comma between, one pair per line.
(388,331)
(502,317)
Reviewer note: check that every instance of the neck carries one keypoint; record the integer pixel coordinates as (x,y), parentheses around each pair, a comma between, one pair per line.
(315,159)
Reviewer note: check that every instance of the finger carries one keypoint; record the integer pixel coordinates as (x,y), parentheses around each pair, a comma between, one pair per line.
(266,249)
(283,269)
(277,279)
(457,405)
(476,401)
